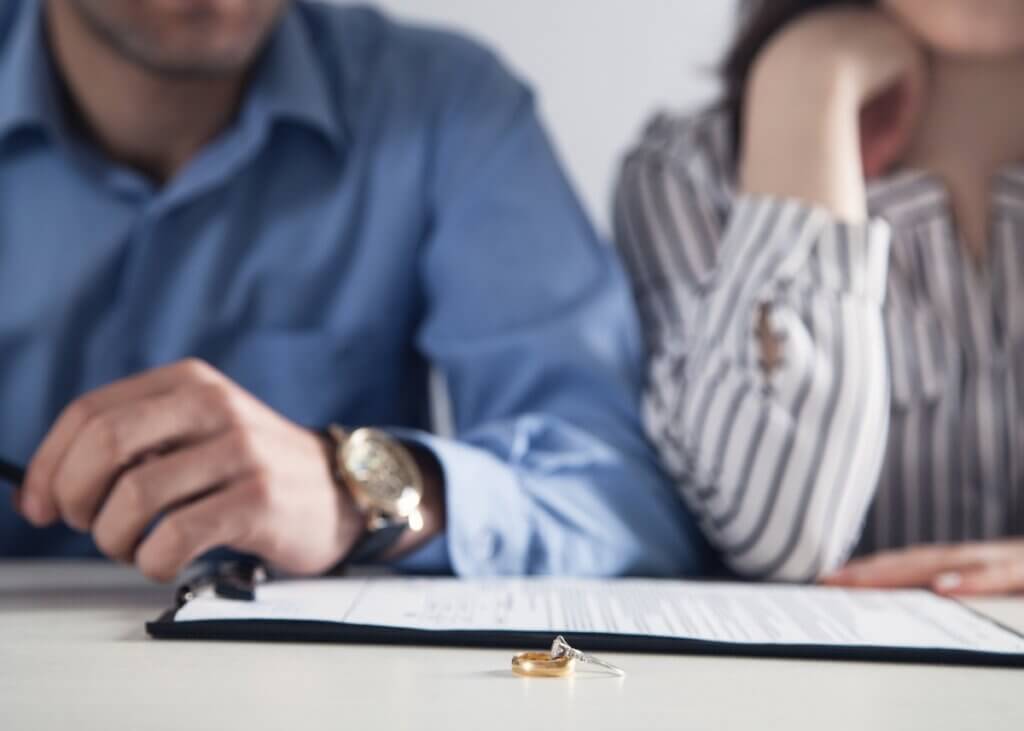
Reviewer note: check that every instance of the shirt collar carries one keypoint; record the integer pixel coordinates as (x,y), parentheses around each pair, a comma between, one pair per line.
(908,197)
(1008,189)
(29,90)
(288,83)
(911,197)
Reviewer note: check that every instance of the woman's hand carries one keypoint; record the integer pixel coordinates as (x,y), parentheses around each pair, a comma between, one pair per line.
(832,101)
(968,569)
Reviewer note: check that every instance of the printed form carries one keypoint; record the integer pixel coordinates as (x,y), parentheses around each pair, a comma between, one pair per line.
(714,612)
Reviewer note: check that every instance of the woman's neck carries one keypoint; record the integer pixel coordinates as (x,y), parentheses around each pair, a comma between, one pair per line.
(974,113)
(972,125)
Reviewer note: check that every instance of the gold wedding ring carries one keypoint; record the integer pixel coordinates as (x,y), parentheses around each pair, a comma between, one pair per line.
(560,662)
(542,665)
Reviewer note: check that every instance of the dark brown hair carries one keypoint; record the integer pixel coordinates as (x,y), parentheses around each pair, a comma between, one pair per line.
(760,21)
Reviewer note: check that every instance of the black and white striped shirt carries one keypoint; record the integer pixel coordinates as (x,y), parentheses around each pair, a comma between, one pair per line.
(896,415)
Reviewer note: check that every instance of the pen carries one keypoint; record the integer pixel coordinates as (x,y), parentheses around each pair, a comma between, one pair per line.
(235,579)
(11,473)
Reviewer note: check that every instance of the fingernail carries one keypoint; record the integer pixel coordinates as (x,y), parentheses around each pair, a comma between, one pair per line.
(948,581)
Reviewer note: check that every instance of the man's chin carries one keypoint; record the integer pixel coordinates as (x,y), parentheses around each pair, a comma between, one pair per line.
(190,65)
(207,46)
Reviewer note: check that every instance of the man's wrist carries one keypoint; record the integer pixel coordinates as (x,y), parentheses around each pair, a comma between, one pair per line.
(352,520)
(430,510)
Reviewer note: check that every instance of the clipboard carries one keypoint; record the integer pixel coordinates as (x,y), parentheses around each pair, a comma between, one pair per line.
(619,615)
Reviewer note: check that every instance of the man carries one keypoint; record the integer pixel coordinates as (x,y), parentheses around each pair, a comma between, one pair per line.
(227,224)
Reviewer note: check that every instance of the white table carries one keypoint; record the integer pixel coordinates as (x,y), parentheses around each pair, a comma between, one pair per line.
(74,655)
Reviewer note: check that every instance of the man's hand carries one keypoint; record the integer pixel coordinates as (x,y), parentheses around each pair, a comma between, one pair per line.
(184,446)
(969,569)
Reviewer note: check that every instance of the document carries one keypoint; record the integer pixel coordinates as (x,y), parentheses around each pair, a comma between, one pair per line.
(736,614)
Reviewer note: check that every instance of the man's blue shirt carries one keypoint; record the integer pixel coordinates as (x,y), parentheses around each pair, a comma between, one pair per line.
(385,201)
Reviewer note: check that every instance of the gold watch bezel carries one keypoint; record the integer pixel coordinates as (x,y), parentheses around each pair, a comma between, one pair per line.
(379,510)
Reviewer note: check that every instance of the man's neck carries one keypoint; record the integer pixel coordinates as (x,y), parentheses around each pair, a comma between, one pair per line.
(152,123)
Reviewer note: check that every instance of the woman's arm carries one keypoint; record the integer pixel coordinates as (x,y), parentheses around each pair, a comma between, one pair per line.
(833,98)
(769,390)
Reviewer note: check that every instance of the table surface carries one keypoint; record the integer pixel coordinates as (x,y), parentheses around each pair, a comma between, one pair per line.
(74,655)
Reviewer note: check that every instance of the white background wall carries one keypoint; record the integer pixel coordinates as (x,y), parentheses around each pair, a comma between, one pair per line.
(600,67)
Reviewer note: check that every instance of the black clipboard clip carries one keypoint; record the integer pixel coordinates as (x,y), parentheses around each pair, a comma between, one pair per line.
(235,579)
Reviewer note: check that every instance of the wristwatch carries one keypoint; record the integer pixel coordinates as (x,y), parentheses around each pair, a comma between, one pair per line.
(385,483)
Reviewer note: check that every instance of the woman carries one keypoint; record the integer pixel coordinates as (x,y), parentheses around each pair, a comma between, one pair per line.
(831,271)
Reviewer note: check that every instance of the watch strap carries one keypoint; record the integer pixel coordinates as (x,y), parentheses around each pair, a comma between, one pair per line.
(375,544)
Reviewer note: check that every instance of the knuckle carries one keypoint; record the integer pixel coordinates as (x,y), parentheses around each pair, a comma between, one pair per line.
(217,397)
(949,554)
(82,410)
(76,509)
(132,489)
(990,552)
(215,394)
(242,443)
(259,490)
(196,369)
(108,438)
(916,555)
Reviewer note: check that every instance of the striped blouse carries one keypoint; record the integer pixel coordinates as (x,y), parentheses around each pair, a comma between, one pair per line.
(895,414)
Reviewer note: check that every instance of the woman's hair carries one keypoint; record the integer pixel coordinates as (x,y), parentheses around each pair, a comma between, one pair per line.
(760,21)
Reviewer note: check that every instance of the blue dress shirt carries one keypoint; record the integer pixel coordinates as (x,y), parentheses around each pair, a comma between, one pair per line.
(385,201)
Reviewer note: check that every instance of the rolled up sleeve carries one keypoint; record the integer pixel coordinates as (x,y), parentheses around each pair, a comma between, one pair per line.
(529,318)
(777,453)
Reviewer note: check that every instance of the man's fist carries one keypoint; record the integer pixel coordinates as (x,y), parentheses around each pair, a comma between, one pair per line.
(186,448)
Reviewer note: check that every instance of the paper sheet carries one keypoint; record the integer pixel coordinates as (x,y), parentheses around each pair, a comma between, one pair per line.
(718,612)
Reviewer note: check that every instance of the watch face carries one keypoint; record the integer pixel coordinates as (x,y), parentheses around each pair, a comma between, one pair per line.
(382,471)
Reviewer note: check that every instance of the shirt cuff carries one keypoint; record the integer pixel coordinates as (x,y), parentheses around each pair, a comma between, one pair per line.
(486,533)
(791,241)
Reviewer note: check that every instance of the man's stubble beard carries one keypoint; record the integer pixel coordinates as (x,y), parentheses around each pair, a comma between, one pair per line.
(133,51)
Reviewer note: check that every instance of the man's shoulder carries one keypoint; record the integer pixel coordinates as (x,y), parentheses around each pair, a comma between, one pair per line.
(367,46)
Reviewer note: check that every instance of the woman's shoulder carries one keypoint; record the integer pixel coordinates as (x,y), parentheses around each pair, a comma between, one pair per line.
(702,143)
